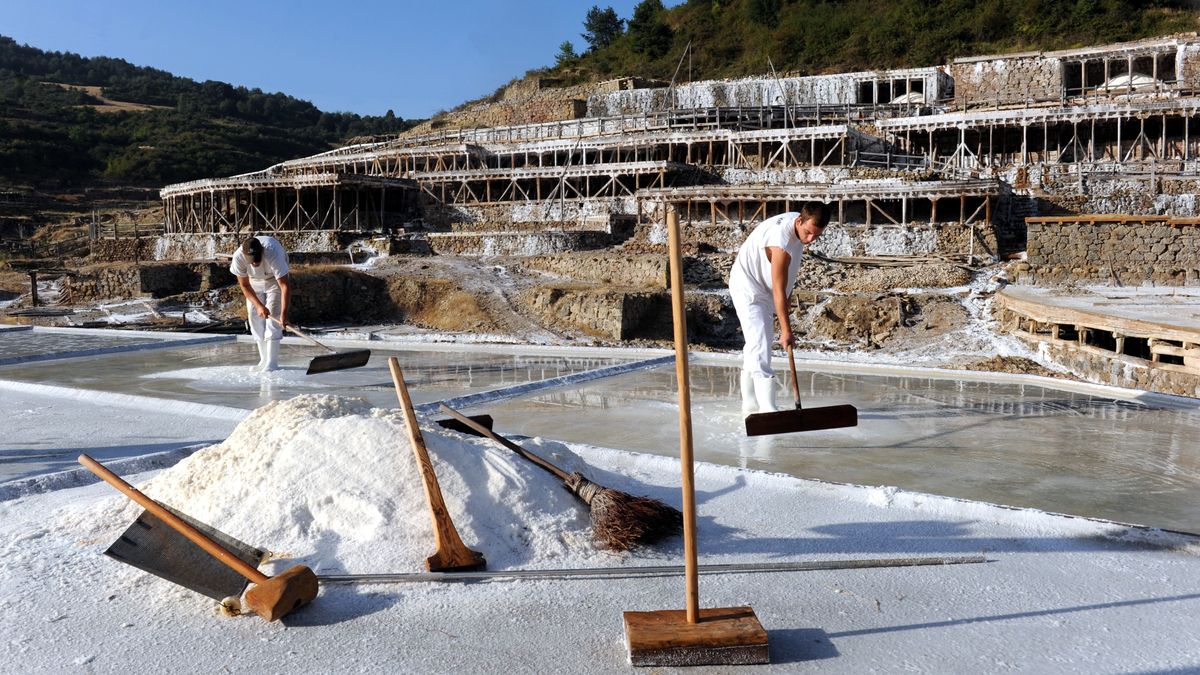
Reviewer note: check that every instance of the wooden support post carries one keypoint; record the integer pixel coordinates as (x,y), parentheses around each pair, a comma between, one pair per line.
(725,636)
(1120,155)
(33,297)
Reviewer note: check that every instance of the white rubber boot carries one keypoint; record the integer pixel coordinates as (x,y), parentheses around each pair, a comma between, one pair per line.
(764,393)
(272,356)
(749,402)
(262,357)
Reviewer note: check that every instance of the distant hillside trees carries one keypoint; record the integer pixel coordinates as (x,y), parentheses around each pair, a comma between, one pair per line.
(566,54)
(734,38)
(50,135)
(601,27)
(648,32)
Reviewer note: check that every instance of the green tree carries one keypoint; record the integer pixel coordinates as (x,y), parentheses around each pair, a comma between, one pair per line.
(601,27)
(566,54)
(764,12)
(648,30)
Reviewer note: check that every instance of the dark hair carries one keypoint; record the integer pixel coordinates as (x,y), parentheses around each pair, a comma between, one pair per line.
(819,211)
(253,248)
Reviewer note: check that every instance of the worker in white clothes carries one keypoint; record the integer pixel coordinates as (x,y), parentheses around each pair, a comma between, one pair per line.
(760,284)
(261,268)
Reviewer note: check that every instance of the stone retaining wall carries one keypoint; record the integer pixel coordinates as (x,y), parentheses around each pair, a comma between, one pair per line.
(629,315)
(155,279)
(514,243)
(1009,79)
(590,211)
(1189,67)
(123,250)
(1153,250)
(623,269)
(208,246)
(846,240)
(1118,371)
(337,294)
(753,92)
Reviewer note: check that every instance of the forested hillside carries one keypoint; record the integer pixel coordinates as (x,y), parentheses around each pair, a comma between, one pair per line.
(148,127)
(731,38)
(66,120)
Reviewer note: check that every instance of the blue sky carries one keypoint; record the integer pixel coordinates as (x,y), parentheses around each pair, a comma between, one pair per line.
(413,57)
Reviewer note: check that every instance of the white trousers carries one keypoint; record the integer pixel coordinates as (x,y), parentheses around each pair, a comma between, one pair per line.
(265,329)
(757,316)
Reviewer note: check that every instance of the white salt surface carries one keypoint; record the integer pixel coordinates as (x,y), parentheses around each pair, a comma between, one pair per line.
(331,483)
(239,376)
(43,432)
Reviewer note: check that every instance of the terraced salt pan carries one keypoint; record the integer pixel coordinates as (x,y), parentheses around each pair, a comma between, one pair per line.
(218,374)
(45,431)
(37,344)
(1028,443)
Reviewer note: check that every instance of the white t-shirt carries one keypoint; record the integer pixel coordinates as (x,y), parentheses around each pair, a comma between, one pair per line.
(752,270)
(274,263)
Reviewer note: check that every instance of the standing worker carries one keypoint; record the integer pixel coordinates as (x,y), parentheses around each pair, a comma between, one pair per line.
(760,284)
(261,268)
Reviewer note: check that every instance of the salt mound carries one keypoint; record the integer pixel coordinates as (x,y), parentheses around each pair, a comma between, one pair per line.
(332,483)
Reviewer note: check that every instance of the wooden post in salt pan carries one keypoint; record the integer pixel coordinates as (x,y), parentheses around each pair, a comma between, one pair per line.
(691,636)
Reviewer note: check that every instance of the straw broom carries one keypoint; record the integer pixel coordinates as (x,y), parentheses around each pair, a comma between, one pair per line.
(620,520)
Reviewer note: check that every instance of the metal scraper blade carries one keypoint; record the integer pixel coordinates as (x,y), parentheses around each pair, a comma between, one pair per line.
(151,545)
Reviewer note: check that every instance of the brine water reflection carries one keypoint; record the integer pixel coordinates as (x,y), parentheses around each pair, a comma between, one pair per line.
(1007,443)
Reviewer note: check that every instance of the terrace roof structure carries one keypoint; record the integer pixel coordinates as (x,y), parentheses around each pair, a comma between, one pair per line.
(274,203)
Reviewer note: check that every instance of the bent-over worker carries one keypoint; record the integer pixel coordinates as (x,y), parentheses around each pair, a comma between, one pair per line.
(261,268)
(760,284)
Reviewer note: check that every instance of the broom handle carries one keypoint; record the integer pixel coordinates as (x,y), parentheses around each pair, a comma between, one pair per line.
(196,536)
(306,337)
(479,428)
(795,381)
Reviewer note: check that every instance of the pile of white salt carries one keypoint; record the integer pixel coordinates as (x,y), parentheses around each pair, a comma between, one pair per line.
(332,483)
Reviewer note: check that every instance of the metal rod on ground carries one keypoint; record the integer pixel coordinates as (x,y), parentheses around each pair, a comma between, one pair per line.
(649,571)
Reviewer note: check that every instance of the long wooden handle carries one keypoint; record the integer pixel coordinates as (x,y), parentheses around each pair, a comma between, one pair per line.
(679,316)
(446,536)
(795,380)
(479,428)
(196,536)
(303,335)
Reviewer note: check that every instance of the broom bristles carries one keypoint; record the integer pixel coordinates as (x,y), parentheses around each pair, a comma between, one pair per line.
(620,520)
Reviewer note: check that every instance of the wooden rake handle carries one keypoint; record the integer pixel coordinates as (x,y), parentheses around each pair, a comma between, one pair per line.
(795,380)
(303,335)
(480,429)
(451,552)
(196,536)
